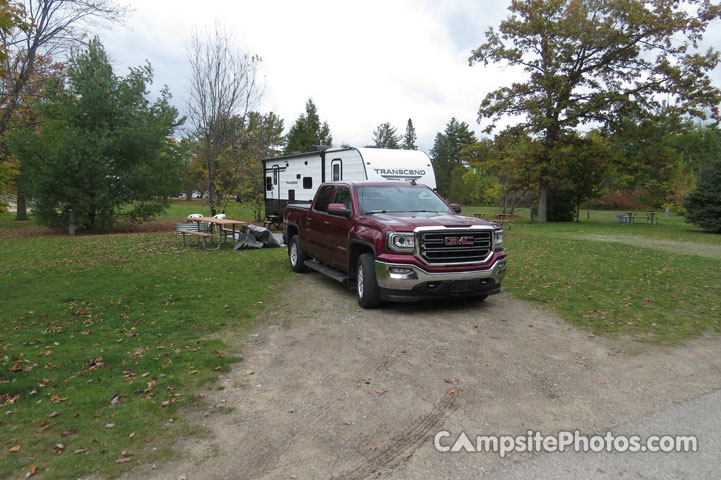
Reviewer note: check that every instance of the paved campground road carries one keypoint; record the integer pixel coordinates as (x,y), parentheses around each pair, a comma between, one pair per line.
(340,392)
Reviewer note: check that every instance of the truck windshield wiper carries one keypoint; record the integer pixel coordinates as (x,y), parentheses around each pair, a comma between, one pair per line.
(370,212)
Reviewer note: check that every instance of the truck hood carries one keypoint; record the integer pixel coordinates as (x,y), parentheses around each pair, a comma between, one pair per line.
(407,221)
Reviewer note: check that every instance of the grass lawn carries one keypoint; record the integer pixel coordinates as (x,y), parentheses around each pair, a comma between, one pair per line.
(655,292)
(104,337)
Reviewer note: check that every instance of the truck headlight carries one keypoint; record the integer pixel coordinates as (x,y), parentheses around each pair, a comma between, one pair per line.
(497,239)
(402,242)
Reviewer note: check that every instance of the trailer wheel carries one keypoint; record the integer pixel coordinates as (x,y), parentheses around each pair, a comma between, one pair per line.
(296,255)
(369,295)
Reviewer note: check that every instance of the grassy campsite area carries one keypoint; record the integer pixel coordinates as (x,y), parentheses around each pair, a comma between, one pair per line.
(105,338)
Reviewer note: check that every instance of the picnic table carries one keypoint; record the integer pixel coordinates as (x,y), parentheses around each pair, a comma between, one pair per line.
(499,218)
(648,216)
(225,228)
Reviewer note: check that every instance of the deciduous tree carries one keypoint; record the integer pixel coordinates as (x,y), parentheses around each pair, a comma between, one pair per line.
(594,61)
(224,90)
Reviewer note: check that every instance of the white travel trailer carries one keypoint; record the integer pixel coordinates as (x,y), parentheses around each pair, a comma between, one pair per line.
(295,178)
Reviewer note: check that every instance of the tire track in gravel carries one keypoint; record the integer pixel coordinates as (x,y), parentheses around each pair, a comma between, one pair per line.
(401,447)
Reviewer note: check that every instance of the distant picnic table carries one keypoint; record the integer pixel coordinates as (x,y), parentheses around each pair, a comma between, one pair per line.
(497,217)
(648,216)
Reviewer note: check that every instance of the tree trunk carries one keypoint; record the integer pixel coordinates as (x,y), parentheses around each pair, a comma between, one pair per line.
(578,212)
(542,201)
(22,213)
(189,195)
(212,199)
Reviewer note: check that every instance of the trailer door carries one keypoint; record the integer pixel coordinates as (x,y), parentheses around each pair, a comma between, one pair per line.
(272,191)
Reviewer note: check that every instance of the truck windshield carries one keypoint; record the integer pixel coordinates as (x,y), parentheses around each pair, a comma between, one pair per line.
(399,198)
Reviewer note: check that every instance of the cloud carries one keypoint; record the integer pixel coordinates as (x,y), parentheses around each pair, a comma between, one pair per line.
(363,63)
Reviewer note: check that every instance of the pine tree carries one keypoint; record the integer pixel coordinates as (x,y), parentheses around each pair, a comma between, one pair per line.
(446,152)
(385,136)
(703,205)
(104,150)
(308,130)
(409,139)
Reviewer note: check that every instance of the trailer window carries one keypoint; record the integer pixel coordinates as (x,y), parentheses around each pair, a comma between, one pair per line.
(323,199)
(269,183)
(337,169)
(307,183)
(275,174)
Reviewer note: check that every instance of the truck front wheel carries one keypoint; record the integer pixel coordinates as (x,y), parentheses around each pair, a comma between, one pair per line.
(369,295)
(296,255)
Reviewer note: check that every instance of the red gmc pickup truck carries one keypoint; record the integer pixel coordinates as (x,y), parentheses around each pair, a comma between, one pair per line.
(394,241)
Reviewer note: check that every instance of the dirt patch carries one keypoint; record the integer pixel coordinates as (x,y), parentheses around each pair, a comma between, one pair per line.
(688,248)
(328,390)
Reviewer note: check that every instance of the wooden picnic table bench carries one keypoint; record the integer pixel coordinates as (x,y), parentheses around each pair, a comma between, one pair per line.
(205,230)
(273,221)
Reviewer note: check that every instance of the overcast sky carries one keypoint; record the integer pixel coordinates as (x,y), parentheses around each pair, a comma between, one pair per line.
(363,62)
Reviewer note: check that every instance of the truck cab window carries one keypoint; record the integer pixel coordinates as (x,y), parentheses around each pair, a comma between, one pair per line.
(342,195)
(323,198)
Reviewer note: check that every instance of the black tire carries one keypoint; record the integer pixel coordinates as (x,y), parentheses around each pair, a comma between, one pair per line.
(369,295)
(481,298)
(296,255)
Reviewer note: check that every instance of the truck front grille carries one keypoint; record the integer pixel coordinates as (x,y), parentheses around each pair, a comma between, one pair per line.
(455,246)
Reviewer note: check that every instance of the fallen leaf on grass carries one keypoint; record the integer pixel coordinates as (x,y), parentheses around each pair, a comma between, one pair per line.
(58,449)
(14,449)
(80,450)
(9,399)
(53,414)
(31,471)
(123,460)
(453,390)
(109,425)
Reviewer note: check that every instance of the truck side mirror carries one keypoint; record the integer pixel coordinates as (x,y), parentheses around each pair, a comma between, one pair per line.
(339,210)
(456,208)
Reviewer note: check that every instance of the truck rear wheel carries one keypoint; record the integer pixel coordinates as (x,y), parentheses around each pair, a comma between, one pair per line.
(369,295)
(296,255)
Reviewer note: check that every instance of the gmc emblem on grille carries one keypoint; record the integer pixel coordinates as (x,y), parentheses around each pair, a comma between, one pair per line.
(452,241)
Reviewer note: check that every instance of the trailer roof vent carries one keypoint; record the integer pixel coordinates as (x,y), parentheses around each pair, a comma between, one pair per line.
(318,148)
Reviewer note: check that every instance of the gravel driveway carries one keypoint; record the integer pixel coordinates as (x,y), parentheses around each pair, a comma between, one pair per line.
(340,392)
